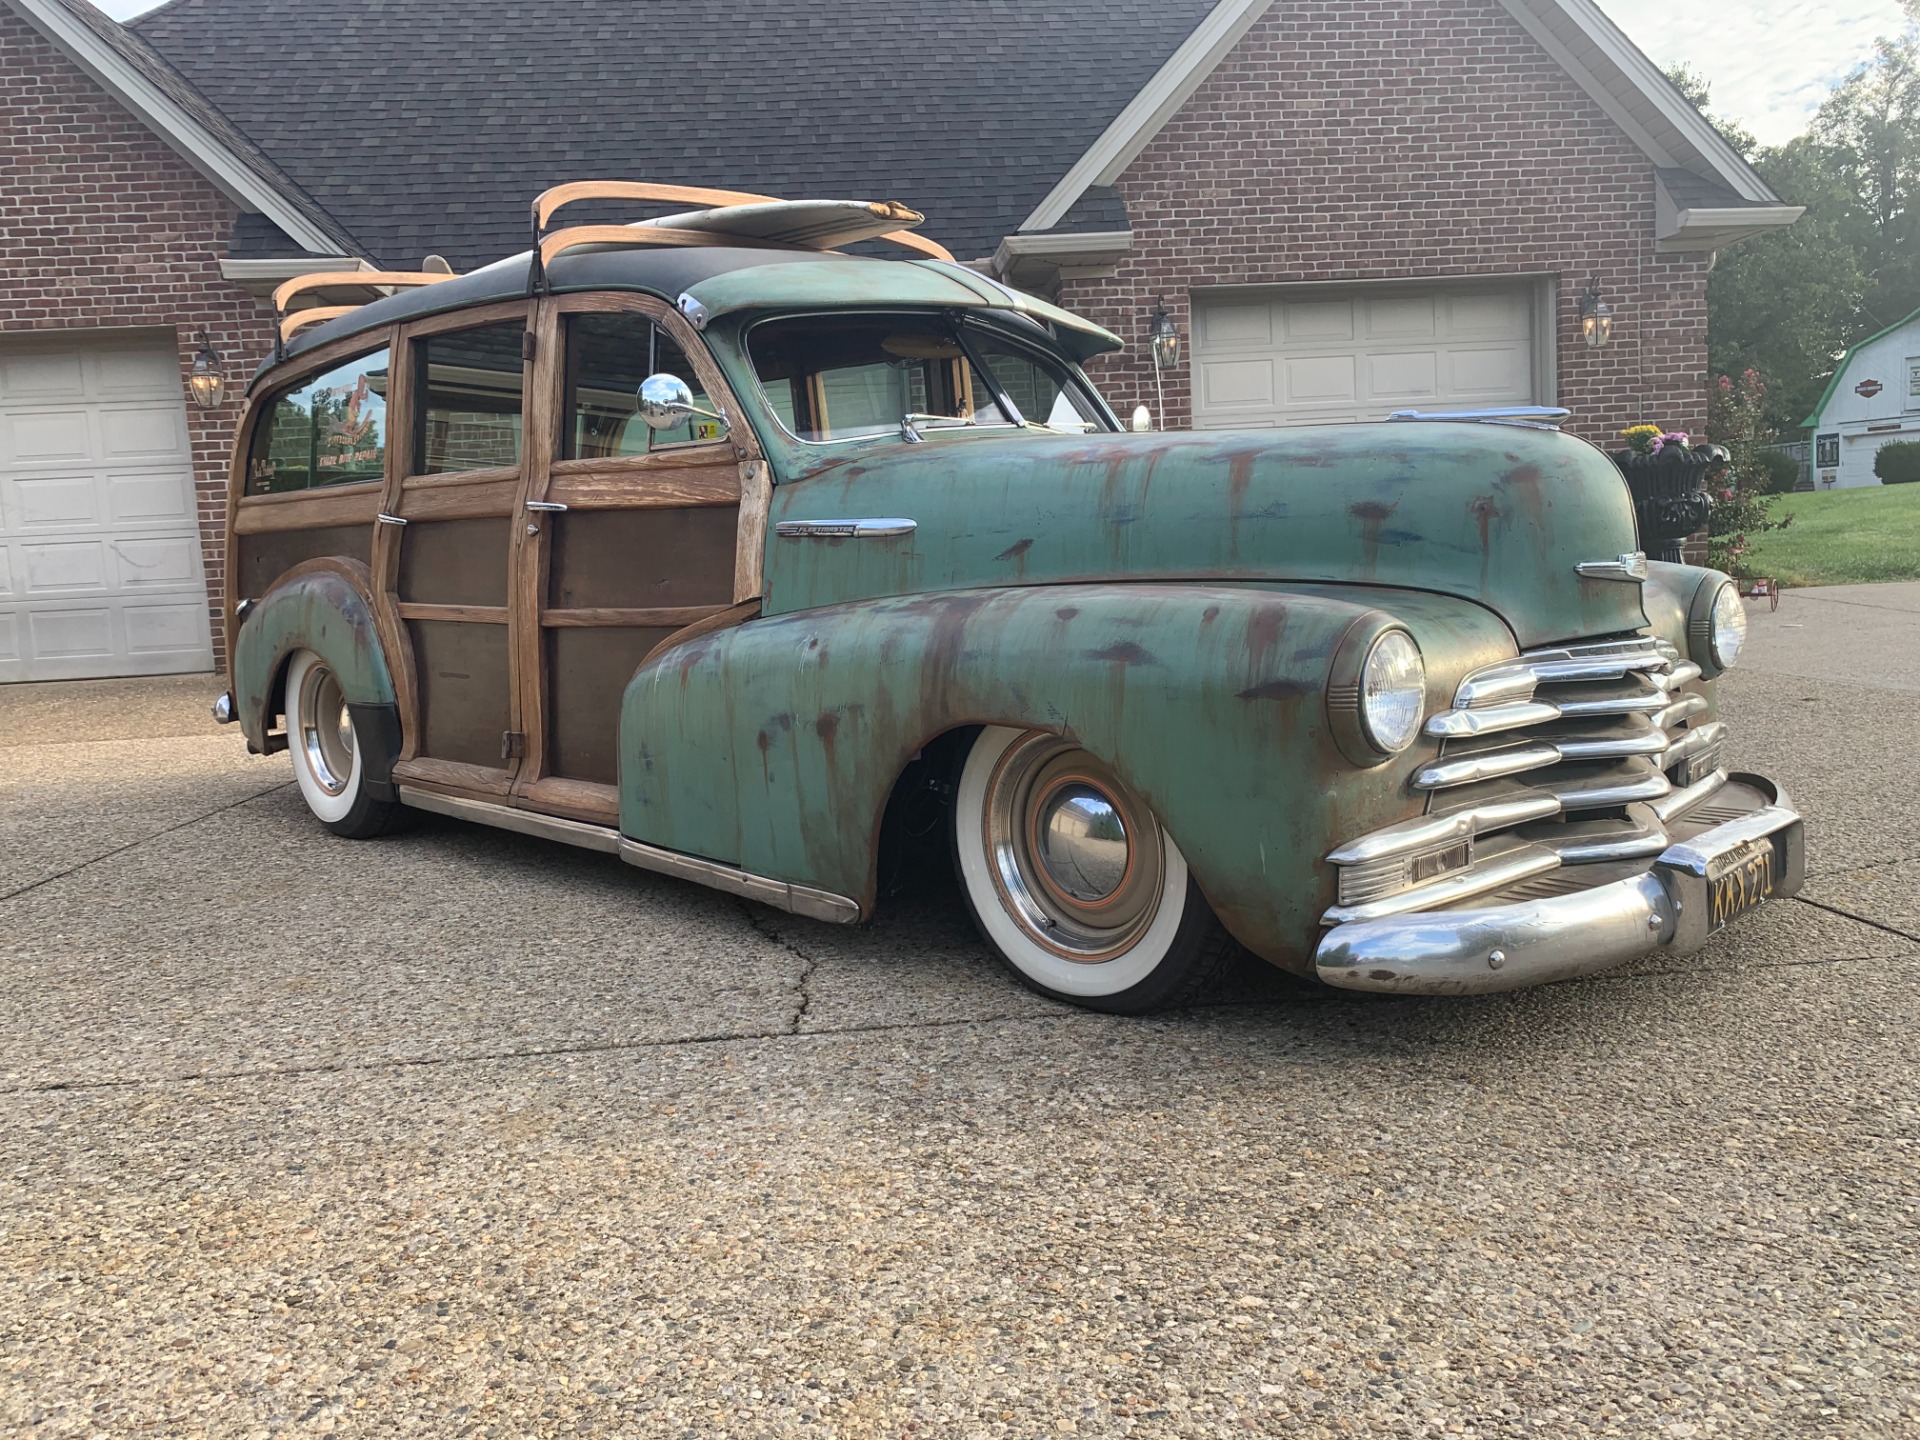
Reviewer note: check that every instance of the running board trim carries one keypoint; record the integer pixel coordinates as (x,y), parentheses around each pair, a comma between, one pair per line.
(795,899)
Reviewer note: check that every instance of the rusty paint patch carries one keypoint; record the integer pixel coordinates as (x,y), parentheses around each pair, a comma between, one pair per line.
(1279,689)
(1017,550)
(1124,652)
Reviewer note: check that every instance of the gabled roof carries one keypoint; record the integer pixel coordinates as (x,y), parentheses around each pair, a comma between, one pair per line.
(1840,370)
(427,126)
(169,105)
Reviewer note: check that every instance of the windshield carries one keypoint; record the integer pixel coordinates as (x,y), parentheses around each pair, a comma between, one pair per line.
(835,377)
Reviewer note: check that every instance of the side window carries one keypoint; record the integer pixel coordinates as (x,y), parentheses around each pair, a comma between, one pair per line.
(330,429)
(607,358)
(471,386)
(1042,389)
(832,377)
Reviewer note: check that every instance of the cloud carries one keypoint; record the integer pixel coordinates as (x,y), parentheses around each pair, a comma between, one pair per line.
(1770,62)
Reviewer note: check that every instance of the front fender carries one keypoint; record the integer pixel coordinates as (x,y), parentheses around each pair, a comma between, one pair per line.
(774,745)
(320,605)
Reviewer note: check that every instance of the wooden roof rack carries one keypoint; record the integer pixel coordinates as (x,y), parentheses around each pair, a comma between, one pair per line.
(547,246)
(380,283)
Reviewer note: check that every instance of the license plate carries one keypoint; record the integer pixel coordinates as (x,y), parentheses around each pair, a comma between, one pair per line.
(1737,882)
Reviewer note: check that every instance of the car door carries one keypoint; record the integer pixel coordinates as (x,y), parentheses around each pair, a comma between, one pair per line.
(446,546)
(629,535)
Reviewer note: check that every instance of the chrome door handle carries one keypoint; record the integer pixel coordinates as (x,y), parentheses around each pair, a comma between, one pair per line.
(842,529)
(386,519)
(549,507)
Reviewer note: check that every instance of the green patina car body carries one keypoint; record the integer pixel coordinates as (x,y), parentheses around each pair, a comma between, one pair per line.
(1190,610)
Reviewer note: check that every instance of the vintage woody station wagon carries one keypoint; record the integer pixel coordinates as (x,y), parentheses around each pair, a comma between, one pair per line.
(704,544)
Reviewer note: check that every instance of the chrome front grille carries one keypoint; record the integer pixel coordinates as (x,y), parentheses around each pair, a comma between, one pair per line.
(1577,756)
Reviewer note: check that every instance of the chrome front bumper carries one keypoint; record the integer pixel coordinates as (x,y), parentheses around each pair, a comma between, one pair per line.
(1535,942)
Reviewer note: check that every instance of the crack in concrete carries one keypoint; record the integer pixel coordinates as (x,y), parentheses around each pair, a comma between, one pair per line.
(135,844)
(1862,919)
(803,992)
(1851,604)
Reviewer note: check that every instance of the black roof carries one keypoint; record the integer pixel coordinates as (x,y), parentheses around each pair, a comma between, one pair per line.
(427,127)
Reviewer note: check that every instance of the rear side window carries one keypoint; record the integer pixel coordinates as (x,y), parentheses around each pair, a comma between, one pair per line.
(330,429)
(607,358)
(471,388)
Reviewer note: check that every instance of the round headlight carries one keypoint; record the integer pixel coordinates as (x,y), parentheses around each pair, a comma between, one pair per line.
(1393,692)
(1727,629)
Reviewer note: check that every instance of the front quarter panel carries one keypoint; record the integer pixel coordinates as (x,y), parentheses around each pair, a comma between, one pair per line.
(774,745)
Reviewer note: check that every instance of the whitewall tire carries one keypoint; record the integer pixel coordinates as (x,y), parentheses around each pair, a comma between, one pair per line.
(327,760)
(1074,883)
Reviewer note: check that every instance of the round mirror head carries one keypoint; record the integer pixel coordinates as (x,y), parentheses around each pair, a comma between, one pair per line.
(665,401)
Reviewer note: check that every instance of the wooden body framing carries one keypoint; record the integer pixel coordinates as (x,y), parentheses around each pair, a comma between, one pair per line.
(494,556)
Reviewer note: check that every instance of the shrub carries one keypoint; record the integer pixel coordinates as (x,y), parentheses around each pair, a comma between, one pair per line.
(1777,474)
(1898,462)
(1734,419)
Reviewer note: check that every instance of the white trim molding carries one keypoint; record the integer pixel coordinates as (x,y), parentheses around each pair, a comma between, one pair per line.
(162,114)
(1043,261)
(263,277)
(1148,112)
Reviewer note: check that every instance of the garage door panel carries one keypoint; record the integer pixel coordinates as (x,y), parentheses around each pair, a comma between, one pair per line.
(100,559)
(1322,380)
(142,431)
(1314,323)
(1410,319)
(36,377)
(57,501)
(1412,376)
(156,561)
(1238,382)
(1494,372)
(1242,325)
(150,497)
(1362,354)
(39,437)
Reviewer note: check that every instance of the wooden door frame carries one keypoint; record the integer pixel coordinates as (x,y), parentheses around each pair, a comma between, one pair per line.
(458,495)
(662,479)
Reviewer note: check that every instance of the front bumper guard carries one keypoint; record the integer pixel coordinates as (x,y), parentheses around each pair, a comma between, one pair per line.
(1535,942)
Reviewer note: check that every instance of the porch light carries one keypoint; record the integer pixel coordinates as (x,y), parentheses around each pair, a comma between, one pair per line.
(208,382)
(1165,336)
(1596,320)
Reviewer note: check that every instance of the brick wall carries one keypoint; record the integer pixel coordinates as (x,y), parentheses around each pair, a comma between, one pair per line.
(104,226)
(1388,139)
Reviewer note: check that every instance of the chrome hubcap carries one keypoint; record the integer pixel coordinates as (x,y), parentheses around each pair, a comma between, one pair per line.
(326,730)
(1075,858)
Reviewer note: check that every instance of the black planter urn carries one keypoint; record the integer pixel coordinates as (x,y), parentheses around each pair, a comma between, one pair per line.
(1670,495)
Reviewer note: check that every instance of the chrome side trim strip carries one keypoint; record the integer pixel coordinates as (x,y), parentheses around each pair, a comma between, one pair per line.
(844,529)
(1531,417)
(603,838)
(795,899)
(1627,567)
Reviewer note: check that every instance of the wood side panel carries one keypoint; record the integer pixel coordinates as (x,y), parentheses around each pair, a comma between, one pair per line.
(672,619)
(750,552)
(642,559)
(309,509)
(466,614)
(260,560)
(531,542)
(456,562)
(386,549)
(465,700)
(470,501)
(574,799)
(649,490)
(591,666)
(450,777)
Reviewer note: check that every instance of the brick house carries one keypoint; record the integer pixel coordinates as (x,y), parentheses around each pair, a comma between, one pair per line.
(1344,207)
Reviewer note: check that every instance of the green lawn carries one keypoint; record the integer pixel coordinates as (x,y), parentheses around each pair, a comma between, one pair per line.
(1842,537)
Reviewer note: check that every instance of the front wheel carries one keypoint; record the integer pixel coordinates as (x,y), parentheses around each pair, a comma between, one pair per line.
(326,753)
(1074,882)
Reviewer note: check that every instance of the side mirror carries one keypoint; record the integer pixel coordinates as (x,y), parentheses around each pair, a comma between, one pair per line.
(667,400)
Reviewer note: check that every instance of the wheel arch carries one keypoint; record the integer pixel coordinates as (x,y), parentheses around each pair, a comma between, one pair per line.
(323,605)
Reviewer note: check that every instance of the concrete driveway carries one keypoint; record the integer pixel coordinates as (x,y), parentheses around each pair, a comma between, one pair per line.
(456,1133)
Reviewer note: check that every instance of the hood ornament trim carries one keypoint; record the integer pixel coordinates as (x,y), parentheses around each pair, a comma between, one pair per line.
(1627,567)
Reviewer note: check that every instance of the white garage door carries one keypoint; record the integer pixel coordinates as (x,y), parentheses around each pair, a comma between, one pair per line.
(100,568)
(1312,358)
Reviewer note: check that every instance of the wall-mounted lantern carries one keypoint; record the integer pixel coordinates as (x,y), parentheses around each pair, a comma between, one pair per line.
(1165,336)
(1596,320)
(208,382)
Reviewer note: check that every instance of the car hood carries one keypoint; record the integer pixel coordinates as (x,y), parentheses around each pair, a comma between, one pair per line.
(1499,515)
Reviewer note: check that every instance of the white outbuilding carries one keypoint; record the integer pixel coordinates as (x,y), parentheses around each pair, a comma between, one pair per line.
(1873,398)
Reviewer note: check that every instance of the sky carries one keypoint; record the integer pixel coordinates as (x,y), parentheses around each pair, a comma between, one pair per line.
(1770,62)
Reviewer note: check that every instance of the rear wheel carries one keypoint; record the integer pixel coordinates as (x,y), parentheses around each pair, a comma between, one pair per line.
(1074,882)
(327,761)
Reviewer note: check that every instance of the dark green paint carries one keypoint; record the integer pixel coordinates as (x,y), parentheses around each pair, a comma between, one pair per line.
(1489,513)
(773,745)
(319,610)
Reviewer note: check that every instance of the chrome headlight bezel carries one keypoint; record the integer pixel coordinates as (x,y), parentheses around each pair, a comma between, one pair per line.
(1716,626)
(1377,663)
